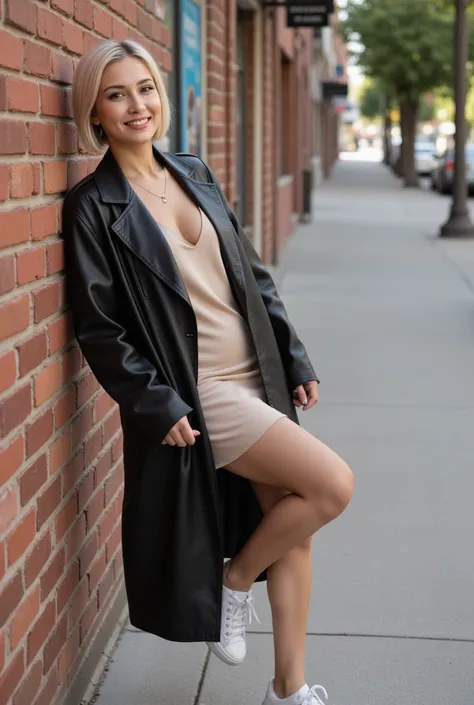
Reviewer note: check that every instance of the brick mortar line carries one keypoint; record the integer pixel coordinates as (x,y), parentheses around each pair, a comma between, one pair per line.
(49,524)
(216,74)
(57,356)
(23,115)
(28,157)
(214,42)
(52,596)
(95,525)
(38,411)
(29,377)
(217,59)
(13,341)
(71,19)
(32,327)
(65,349)
(26,202)
(49,527)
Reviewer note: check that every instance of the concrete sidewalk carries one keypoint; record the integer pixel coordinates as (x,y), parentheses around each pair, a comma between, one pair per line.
(386,310)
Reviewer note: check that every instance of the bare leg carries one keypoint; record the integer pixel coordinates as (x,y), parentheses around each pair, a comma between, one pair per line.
(289,588)
(319,484)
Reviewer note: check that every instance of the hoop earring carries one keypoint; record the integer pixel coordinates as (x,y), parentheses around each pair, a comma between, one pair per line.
(101,132)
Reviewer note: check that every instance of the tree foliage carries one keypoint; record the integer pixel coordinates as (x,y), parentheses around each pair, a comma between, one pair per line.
(371,100)
(406,45)
(427,110)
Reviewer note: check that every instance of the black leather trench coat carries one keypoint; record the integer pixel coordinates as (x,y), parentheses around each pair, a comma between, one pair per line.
(136,327)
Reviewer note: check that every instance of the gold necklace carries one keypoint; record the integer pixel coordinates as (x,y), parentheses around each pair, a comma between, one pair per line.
(157,195)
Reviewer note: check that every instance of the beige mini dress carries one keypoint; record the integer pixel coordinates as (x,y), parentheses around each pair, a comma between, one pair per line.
(229,381)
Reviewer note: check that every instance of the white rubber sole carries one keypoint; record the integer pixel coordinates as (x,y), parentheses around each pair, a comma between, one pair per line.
(221,654)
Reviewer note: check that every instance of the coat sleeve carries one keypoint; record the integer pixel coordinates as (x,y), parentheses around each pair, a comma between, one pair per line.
(295,359)
(128,377)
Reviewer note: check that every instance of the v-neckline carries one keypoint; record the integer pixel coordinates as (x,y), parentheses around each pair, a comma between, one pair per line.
(180,237)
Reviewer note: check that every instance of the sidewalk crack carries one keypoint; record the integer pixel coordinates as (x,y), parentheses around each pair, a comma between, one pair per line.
(460,640)
(201,680)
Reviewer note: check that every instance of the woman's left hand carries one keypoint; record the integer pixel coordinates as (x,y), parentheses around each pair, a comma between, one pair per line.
(306,395)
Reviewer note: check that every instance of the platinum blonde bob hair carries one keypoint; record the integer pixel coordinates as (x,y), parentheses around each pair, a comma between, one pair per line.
(85,88)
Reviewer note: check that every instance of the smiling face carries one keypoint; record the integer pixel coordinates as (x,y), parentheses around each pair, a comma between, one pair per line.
(128,105)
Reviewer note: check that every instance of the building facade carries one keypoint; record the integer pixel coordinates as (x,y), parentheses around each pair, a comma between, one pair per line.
(241,85)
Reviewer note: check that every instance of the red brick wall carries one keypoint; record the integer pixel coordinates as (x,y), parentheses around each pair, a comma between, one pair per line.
(222,90)
(60,443)
(279,204)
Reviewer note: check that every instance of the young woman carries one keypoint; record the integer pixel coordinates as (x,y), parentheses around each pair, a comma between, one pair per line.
(182,325)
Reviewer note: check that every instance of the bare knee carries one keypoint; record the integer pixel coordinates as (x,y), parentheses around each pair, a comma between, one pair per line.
(334,495)
(302,549)
(305,545)
(296,556)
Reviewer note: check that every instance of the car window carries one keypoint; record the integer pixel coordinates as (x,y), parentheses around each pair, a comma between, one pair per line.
(428,148)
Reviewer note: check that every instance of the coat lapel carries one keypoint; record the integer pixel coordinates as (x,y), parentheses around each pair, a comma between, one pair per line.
(206,196)
(140,232)
(137,228)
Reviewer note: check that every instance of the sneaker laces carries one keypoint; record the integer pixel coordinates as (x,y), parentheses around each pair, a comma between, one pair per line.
(312,697)
(238,611)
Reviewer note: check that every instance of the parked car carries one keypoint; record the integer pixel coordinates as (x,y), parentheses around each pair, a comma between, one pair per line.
(425,153)
(443,173)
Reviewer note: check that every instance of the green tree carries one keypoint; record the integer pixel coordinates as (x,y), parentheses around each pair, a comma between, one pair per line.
(371,100)
(427,108)
(406,46)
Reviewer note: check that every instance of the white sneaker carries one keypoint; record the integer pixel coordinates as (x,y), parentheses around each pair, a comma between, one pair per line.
(304,696)
(236,607)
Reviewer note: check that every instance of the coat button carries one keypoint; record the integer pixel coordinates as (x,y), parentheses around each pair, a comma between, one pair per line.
(190,335)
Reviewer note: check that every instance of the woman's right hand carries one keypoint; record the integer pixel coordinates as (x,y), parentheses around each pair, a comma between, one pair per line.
(181,434)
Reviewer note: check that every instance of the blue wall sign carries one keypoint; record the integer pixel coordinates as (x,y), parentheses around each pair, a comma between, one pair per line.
(191,67)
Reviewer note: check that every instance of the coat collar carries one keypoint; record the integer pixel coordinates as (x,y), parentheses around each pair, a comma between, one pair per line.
(153,250)
(115,188)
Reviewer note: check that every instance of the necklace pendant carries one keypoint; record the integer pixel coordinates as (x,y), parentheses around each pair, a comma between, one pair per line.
(163,198)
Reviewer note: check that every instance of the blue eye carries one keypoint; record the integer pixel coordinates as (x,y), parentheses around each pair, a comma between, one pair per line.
(147,88)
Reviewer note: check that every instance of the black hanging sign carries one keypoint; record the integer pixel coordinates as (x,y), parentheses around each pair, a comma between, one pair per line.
(305,15)
(328,5)
(334,89)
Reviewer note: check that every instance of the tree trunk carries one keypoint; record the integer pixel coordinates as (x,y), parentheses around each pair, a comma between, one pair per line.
(408,116)
(387,133)
(459,222)
(398,166)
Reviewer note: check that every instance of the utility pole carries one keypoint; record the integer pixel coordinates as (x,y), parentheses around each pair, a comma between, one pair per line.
(459,223)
